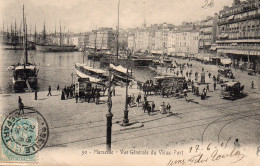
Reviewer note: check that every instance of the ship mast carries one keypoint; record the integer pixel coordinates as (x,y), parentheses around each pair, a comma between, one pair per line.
(25,39)
(44,33)
(60,33)
(35,35)
(117,32)
(95,48)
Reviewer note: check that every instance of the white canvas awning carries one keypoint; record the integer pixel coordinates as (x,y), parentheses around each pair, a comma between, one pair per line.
(226,61)
(118,68)
(91,79)
(224,35)
(231,17)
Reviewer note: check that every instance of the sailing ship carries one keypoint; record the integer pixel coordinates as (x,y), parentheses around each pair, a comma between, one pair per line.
(25,73)
(13,40)
(53,47)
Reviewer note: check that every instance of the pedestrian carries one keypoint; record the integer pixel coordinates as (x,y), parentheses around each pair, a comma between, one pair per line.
(236,143)
(128,100)
(63,95)
(252,85)
(187,73)
(153,107)
(185,95)
(214,78)
(130,84)
(163,109)
(149,109)
(58,87)
(35,94)
(114,91)
(202,69)
(168,107)
(77,97)
(71,92)
(133,99)
(21,106)
(209,75)
(207,87)
(67,93)
(145,105)
(97,97)
(49,91)
(214,84)
(19,99)
(145,97)
(138,100)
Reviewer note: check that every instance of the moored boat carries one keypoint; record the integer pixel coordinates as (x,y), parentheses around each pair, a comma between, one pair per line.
(94,75)
(120,73)
(55,48)
(24,74)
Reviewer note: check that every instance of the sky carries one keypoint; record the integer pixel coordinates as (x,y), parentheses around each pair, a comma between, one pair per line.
(86,15)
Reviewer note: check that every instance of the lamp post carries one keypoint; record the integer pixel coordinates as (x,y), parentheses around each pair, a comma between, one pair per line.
(72,77)
(109,116)
(126,120)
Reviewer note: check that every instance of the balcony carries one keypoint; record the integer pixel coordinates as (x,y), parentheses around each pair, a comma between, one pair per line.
(255,16)
(238,38)
(206,33)
(206,25)
(240,47)
(238,11)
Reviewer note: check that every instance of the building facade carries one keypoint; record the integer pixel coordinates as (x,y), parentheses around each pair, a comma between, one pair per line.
(238,34)
(208,32)
(101,39)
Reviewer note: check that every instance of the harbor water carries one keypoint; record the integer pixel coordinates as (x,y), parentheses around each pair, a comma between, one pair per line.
(55,68)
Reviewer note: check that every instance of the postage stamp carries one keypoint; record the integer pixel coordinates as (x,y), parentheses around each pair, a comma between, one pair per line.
(23,136)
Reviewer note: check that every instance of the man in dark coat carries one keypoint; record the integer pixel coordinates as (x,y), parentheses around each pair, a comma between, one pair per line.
(76,97)
(35,94)
(49,91)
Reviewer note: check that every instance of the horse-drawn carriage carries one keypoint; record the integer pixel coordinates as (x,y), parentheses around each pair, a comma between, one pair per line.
(231,90)
(87,89)
(165,85)
(226,72)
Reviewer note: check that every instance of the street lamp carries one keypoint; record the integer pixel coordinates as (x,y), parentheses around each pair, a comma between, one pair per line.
(109,115)
(126,120)
(72,77)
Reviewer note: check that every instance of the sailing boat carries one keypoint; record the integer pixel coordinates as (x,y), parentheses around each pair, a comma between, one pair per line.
(25,73)
(53,47)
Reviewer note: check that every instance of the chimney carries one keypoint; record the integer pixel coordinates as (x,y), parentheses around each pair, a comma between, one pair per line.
(236,2)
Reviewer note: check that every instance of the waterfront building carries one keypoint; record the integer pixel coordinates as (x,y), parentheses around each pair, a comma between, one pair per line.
(184,39)
(207,36)
(171,45)
(83,41)
(131,42)
(142,40)
(238,34)
(102,38)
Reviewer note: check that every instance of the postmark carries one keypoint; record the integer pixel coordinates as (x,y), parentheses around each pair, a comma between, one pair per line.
(23,135)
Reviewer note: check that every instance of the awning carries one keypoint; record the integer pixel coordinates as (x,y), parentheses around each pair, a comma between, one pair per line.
(213,48)
(223,35)
(119,68)
(231,17)
(226,61)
